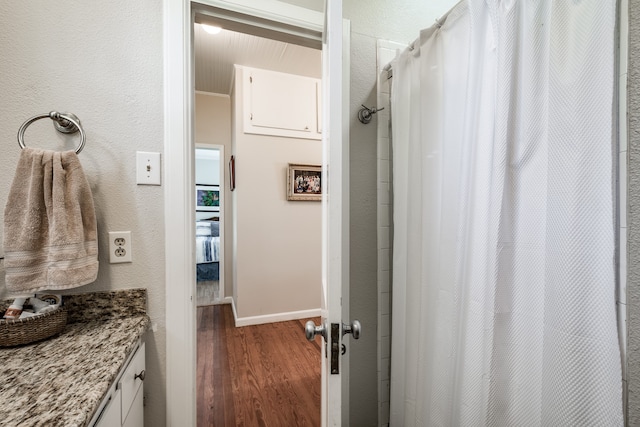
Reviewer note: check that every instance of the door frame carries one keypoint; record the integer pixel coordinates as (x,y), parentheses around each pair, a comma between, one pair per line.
(266,17)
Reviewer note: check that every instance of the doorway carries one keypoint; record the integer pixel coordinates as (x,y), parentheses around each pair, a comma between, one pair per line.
(267,233)
(210,210)
(268,17)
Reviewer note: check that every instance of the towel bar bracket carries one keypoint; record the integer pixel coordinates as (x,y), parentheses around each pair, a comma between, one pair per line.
(63,122)
(64,125)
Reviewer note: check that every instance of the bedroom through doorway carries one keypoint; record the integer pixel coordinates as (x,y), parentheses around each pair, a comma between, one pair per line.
(209,197)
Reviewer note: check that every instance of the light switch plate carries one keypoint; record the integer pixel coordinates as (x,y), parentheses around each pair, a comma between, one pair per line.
(147,168)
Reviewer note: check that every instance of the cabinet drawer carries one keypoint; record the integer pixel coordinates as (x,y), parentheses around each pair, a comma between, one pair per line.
(131,381)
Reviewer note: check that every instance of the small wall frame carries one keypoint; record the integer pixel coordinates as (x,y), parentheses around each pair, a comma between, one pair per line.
(207,198)
(304,182)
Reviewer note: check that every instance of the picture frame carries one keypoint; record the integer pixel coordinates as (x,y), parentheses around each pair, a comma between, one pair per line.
(304,182)
(207,198)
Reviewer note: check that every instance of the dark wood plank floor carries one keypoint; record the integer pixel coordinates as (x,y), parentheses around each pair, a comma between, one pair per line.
(262,375)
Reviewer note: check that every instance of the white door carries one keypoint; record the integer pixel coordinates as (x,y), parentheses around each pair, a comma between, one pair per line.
(335,218)
(332,214)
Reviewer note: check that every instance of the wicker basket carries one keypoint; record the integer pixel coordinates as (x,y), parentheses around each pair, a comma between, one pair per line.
(31,329)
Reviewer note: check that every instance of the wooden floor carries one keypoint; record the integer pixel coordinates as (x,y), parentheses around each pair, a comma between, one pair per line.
(208,292)
(263,375)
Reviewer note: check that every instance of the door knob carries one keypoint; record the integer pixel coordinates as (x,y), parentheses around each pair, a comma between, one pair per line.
(354,329)
(311,330)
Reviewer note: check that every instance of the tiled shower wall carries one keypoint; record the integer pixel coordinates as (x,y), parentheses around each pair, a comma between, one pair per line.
(386,51)
(631,159)
(623,191)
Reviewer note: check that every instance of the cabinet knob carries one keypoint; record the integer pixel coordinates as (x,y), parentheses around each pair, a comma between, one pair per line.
(140,375)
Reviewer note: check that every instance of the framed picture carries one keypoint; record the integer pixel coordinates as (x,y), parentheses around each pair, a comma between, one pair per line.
(208,198)
(304,182)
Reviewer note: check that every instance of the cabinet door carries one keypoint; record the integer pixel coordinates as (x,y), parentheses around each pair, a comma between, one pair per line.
(111,414)
(132,381)
(136,413)
(280,104)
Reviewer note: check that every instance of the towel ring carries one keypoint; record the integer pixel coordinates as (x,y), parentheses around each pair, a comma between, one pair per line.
(63,122)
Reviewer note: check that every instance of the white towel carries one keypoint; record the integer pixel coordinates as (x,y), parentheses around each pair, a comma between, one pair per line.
(50,233)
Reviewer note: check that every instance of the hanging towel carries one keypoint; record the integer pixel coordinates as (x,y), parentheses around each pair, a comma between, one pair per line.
(50,233)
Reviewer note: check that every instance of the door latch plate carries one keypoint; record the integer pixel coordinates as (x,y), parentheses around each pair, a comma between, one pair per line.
(335,348)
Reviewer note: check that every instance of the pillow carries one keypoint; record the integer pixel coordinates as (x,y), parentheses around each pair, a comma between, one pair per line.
(203,228)
(208,228)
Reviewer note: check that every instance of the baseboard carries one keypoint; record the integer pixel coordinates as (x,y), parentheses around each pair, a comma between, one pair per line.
(233,307)
(276,317)
(227,300)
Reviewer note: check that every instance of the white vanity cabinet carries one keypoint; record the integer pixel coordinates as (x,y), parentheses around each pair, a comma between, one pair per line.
(123,405)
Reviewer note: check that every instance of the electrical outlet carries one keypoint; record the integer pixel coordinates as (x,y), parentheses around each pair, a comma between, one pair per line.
(119,246)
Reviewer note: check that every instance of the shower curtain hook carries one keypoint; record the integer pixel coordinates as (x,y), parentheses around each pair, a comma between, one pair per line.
(365,114)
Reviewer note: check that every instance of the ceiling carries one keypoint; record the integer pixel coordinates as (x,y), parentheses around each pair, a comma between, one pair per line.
(215,55)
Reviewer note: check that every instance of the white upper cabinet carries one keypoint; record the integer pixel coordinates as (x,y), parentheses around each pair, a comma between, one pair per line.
(280,104)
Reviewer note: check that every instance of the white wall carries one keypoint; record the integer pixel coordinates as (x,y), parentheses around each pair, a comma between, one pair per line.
(278,253)
(212,119)
(207,166)
(103,62)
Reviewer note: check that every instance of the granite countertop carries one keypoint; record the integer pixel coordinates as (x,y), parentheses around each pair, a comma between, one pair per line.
(62,380)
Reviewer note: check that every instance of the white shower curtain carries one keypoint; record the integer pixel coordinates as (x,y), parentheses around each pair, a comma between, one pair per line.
(504,309)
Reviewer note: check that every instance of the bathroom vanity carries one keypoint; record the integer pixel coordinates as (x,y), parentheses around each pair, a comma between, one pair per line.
(89,375)
(123,404)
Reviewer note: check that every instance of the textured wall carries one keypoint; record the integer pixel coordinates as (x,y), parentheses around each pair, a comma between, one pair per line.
(633,216)
(103,62)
